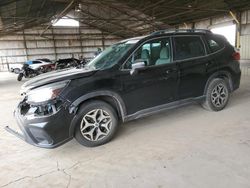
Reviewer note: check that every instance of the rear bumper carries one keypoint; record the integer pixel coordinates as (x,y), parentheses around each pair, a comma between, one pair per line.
(46,132)
(236,81)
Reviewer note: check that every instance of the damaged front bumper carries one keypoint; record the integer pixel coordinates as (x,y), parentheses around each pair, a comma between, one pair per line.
(47,130)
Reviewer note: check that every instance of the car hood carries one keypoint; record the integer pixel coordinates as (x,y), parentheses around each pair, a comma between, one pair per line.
(56,76)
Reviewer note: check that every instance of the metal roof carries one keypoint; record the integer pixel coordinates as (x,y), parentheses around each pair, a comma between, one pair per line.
(125,18)
(19,14)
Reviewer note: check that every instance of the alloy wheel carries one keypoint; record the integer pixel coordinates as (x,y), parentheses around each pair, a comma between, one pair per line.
(219,95)
(96,125)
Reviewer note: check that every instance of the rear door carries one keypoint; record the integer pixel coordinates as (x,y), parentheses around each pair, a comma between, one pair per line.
(190,57)
(216,46)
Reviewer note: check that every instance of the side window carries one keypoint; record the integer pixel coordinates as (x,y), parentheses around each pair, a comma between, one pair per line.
(214,44)
(146,47)
(153,53)
(188,47)
(36,62)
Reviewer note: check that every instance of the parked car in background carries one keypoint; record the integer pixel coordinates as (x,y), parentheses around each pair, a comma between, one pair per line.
(33,68)
(35,64)
(67,63)
(131,79)
(16,68)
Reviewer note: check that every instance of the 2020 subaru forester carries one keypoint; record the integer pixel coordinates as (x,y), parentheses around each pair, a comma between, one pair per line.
(131,79)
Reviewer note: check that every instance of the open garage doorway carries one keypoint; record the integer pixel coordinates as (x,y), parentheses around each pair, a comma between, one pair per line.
(229,31)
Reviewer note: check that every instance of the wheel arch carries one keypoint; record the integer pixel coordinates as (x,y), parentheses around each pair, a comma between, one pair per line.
(224,74)
(110,97)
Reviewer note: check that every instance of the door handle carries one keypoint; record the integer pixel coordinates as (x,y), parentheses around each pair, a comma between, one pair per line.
(170,71)
(210,63)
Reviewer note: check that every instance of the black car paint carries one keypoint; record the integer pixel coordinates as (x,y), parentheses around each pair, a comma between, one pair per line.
(151,90)
(156,86)
(56,76)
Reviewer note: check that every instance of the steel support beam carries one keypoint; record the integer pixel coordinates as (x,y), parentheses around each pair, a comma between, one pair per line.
(54,43)
(25,46)
(65,11)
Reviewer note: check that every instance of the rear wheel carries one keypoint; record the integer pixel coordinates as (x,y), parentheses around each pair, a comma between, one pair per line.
(97,123)
(217,95)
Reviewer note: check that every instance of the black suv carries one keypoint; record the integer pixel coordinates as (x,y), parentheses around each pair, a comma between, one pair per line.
(129,80)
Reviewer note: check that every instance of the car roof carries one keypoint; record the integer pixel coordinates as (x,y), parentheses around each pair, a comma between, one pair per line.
(134,38)
(170,32)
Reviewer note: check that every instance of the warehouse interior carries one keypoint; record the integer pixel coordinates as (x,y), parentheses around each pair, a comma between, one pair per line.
(183,147)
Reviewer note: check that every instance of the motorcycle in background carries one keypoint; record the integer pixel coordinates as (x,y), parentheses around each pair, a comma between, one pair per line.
(26,72)
(34,68)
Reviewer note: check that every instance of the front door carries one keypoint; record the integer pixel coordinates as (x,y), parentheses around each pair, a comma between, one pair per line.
(152,85)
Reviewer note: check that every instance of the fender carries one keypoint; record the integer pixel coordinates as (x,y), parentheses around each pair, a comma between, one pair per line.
(219,74)
(74,105)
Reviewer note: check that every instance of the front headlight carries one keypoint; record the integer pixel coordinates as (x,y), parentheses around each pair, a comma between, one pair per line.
(46,93)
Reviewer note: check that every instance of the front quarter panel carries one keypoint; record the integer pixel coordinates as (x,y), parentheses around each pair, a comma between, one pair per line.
(102,80)
(103,83)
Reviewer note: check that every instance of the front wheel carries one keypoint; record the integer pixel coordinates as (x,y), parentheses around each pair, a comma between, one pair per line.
(20,77)
(217,95)
(97,123)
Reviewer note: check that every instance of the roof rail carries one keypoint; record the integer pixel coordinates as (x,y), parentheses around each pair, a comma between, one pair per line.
(181,30)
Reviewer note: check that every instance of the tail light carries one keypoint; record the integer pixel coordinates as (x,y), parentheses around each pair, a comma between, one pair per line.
(236,56)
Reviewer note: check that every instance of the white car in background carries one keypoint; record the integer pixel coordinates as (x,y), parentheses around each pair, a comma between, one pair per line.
(15,68)
(35,64)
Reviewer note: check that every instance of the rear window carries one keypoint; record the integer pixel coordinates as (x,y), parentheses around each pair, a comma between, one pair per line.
(188,47)
(214,43)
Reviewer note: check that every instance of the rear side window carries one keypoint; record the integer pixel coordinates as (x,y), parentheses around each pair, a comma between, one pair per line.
(214,44)
(188,47)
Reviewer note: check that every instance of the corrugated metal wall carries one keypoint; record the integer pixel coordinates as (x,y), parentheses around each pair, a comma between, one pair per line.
(245,47)
(56,43)
(224,20)
(245,35)
(209,23)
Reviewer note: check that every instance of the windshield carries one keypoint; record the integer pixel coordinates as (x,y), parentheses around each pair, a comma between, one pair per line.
(110,56)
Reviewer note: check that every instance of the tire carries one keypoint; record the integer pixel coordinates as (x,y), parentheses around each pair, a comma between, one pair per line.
(217,95)
(20,76)
(90,128)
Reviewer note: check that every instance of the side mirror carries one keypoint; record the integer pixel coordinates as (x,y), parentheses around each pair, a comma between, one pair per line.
(139,63)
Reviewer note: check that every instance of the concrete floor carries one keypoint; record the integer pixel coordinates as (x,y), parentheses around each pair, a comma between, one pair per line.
(187,147)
